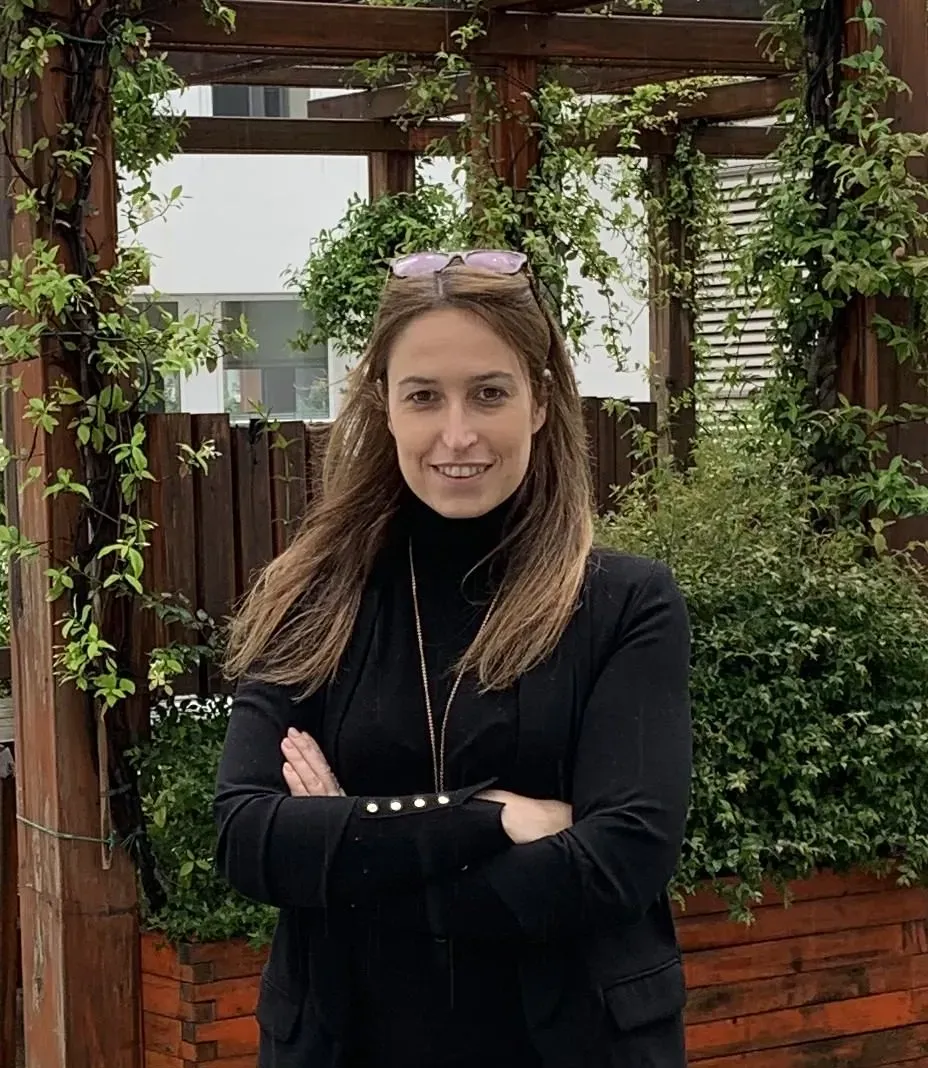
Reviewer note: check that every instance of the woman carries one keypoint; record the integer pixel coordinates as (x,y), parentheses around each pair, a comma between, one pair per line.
(459,757)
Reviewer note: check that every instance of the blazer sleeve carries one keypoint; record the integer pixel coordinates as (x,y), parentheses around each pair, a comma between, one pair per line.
(631,788)
(309,852)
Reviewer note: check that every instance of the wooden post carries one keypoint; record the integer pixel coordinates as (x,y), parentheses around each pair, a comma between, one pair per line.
(79,924)
(513,139)
(504,140)
(869,374)
(672,330)
(9,909)
(390,172)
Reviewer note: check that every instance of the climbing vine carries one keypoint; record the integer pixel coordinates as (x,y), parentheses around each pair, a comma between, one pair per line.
(71,301)
(578,217)
(848,225)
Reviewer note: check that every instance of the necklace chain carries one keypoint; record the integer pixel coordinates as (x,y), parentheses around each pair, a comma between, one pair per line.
(438,750)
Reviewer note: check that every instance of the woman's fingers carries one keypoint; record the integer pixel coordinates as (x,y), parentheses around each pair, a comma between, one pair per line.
(298,772)
(294,782)
(310,772)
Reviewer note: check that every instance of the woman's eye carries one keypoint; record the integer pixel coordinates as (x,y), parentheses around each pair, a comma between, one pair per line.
(492,394)
(421,396)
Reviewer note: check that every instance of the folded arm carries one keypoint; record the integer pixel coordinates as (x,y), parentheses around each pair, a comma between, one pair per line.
(314,851)
(631,788)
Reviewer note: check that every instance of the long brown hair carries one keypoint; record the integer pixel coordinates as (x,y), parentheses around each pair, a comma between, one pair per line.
(295,623)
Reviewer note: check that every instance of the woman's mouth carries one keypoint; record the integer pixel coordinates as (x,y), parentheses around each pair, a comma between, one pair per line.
(461,472)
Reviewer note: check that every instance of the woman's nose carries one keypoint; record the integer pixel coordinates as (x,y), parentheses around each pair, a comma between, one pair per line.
(457,431)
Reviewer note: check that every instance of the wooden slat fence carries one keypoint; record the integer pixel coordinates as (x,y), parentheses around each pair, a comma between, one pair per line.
(215,530)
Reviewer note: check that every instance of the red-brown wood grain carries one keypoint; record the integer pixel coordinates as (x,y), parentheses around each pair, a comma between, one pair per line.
(837,980)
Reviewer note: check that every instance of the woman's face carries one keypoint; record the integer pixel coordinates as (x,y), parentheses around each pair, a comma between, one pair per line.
(461,410)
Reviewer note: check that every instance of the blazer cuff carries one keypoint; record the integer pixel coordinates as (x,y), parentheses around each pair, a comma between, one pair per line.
(413,804)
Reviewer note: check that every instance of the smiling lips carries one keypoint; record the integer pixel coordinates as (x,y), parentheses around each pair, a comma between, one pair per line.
(461,471)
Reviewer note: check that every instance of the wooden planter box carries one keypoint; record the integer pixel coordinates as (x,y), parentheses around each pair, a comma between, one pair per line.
(837,980)
(198,1003)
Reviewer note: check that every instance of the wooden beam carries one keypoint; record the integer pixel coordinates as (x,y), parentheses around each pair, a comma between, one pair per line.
(78,918)
(717,142)
(751,10)
(292,27)
(614,79)
(340,138)
(229,68)
(198,69)
(308,137)
(387,102)
(742,100)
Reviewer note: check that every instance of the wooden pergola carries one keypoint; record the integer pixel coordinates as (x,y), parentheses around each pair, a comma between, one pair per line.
(78,917)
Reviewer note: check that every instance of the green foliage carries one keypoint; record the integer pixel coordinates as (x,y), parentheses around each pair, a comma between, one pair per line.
(341,283)
(574,199)
(177,773)
(810,668)
(847,222)
(61,297)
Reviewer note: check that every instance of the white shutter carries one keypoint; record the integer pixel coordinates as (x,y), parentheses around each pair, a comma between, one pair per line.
(736,363)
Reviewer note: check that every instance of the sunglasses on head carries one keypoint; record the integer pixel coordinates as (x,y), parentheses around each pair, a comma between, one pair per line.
(497,261)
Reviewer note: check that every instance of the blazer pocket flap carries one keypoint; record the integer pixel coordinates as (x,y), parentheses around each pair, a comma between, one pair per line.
(278,1011)
(645,999)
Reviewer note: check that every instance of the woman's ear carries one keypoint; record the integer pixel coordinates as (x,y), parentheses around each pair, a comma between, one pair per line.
(538,417)
(384,399)
(540,413)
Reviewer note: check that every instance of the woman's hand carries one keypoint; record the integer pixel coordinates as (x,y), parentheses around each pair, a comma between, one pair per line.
(526,819)
(306,771)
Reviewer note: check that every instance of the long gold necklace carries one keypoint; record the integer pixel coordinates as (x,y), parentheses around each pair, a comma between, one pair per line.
(438,751)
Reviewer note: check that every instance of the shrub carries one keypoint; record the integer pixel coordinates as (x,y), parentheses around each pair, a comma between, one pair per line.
(810,695)
(177,771)
(810,670)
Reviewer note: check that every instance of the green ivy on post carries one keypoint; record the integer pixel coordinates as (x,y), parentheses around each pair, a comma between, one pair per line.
(82,366)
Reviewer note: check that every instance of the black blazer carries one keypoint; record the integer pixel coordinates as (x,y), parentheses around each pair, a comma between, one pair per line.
(602,981)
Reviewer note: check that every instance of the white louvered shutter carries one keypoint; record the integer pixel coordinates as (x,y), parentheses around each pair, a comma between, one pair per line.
(735,364)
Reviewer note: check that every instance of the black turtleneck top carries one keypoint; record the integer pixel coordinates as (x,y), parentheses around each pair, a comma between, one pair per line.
(418,1001)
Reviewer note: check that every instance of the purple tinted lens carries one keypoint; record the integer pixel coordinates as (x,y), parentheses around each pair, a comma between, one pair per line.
(420,263)
(499,261)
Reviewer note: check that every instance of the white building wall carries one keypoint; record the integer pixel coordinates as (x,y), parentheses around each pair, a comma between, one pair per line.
(247,221)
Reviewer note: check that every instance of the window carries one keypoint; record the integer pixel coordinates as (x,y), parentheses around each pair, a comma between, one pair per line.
(251,101)
(274,376)
(160,394)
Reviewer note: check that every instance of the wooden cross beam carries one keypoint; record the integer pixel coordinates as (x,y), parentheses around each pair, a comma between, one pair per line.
(321,137)
(702,9)
(386,102)
(741,100)
(346,138)
(723,103)
(307,28)
(231,68)
(613,79)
